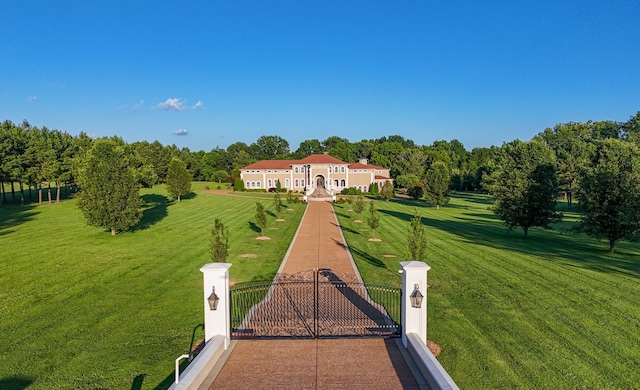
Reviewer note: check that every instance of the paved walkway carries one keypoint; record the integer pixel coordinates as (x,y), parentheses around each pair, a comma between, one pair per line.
(365,363)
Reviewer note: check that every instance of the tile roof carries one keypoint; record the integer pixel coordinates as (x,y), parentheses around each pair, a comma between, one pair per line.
(378,177)
(363,166)
(272,164)
(320,159)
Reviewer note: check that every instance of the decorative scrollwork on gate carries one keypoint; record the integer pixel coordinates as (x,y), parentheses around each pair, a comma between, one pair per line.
(314,303)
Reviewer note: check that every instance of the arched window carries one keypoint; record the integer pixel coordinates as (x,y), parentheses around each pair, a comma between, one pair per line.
(302,183)
(329,168)
(295,170)
(337,183)
(248,185)
(364,189)
(341,169)
(297,183)
(302,169)
(269,183)
(258,184)
(343,183)
(286,183)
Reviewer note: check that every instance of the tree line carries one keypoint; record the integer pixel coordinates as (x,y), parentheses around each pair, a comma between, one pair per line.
(526,177)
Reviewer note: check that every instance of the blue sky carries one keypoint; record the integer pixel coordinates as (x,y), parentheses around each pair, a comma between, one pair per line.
(211,73)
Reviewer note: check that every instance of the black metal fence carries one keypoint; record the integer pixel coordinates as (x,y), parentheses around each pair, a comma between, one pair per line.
(314,308)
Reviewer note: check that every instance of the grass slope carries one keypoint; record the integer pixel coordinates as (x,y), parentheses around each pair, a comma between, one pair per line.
(552,311)
(81,309)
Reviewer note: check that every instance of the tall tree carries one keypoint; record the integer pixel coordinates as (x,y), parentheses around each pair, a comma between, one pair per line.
(178,179)
(269,147)
(526,186)
(610,193)
(387,190)
(219,242)
(374,219)
(277,202)
(570,142)
(358,205)
(417,238)
(261,217)
(436,184)
(109,196)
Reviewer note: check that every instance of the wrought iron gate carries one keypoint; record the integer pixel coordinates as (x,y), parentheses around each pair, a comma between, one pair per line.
(314,304)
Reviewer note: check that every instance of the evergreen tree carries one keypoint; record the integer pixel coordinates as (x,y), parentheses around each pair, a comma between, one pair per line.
(261,217)
(358,205)
(178,179)
(277,203)
(374,219)
(417,238)
(437,184)
(219,242)
(109,196)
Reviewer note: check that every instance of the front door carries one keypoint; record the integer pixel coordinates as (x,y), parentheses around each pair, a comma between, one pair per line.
(320,182)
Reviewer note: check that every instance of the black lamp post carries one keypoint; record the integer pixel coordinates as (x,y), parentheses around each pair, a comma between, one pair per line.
(416,297)
(214,299)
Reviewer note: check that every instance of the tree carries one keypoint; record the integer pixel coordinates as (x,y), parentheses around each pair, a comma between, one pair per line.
(374,219)
(437,184)
(277,203)
(109,195)
(387,190)
(178,179)
(610,193)
(358,205)
(219,242)
(526,186)
(238,184)
(261,217)
(569,141)
(417,238)
(416,192)
(373,189)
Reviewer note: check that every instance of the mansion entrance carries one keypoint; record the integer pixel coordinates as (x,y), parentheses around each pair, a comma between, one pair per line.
(320,182)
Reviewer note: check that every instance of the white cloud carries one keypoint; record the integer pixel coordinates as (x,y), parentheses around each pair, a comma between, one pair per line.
(177,104)
(181,132)
(172,104)
(33,98)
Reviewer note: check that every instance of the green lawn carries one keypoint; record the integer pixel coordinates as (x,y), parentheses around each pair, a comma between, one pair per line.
(554,311)
(81,309)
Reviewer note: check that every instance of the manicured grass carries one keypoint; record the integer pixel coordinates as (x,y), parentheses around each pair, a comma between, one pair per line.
(553,311)
(81,309)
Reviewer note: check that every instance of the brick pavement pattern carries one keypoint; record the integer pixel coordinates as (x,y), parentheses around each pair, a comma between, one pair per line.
(363,363)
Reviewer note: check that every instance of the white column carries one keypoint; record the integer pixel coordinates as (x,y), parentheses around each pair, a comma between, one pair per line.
(217,322)
(414,320)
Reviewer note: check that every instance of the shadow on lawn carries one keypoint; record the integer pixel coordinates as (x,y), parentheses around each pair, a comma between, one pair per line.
(11,216)
(569,249)
(155,210)
(15,383)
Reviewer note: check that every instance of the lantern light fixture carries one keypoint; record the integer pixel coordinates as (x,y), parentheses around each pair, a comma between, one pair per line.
(213,299)
(416,297)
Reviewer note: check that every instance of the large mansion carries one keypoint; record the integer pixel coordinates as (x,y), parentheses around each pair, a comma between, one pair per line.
(317,173)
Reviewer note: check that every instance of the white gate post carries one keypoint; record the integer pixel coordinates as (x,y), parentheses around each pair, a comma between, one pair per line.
(414,281)
(217,322)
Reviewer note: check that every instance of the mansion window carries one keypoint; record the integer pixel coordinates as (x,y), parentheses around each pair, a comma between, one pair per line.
(343,183)
(286,183)
(302,183)
(295,170)
(297,183)
(341,169)
(269,183)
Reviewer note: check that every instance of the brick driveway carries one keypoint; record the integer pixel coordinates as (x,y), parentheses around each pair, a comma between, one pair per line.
(354,363)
